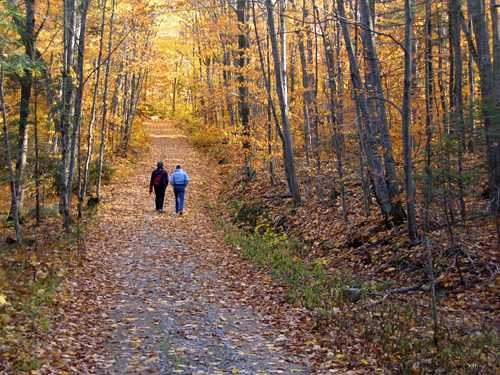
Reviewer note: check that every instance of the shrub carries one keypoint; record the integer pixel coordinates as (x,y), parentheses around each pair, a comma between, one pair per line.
(209,138)
(306,284)
(108,171)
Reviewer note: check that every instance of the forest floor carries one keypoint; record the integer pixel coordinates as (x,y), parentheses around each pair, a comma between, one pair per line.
(160,293)
(211,293)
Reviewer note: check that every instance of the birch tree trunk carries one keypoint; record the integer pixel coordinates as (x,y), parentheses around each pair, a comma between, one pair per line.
(104,109)
(283,51)
(67,106)
(271,109)
(90,135)
(77,116)
(288,154)
(38,217)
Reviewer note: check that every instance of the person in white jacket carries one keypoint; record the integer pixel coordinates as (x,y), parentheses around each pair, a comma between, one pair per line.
(179,180)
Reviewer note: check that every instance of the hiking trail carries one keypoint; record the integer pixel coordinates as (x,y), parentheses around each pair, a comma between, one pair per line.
(149,297)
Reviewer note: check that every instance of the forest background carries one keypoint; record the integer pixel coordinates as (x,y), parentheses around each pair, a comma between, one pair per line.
(359,142)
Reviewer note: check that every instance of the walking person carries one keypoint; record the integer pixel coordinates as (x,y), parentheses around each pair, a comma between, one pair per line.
(179,180)
(159,182)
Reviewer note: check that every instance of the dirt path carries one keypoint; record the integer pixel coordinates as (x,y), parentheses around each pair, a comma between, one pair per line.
(152,299)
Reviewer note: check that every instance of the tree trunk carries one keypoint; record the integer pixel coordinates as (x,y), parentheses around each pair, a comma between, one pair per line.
(27,33)
(314,78)
(377,95)
(104,109)
(428,192)
(335,109)
(407,147)
(495,127)
(495,27)
(456,97)
(308,102)
(8,162)
(283,51)
(174,91)
(288,154)
(115,101)
(77,115)
(471,103)
(67,106)
(271,109)
(392,211)
(429,108)
(243,106)
(490,100)
(442,111)
(135,94)
(93,110)
(37,156)
(226,74)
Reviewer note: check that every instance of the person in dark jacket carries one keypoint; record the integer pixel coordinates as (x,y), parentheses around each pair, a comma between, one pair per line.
(179,180)
(159,182)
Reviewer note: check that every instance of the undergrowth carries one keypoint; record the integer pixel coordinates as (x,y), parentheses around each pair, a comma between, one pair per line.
(30,278)
(33,274)
(209,138)
(396,335)
(369,331)
(306,284)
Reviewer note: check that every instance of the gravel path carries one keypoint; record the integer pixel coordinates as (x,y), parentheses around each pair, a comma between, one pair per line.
(170,310)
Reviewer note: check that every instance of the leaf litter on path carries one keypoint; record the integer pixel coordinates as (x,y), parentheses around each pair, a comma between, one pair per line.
(159,293)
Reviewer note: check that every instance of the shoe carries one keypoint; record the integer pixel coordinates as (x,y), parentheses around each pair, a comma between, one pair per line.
(180,213)
(161,211)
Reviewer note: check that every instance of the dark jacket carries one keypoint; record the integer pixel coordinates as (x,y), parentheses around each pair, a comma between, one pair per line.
(163,179)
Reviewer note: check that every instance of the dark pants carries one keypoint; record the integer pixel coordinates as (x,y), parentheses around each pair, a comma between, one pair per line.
(160,197)
(179,200)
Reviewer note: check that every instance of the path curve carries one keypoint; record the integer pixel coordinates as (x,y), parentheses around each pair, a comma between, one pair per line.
(155,301)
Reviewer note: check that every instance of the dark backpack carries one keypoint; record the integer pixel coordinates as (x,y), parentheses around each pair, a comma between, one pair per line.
(157,179)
